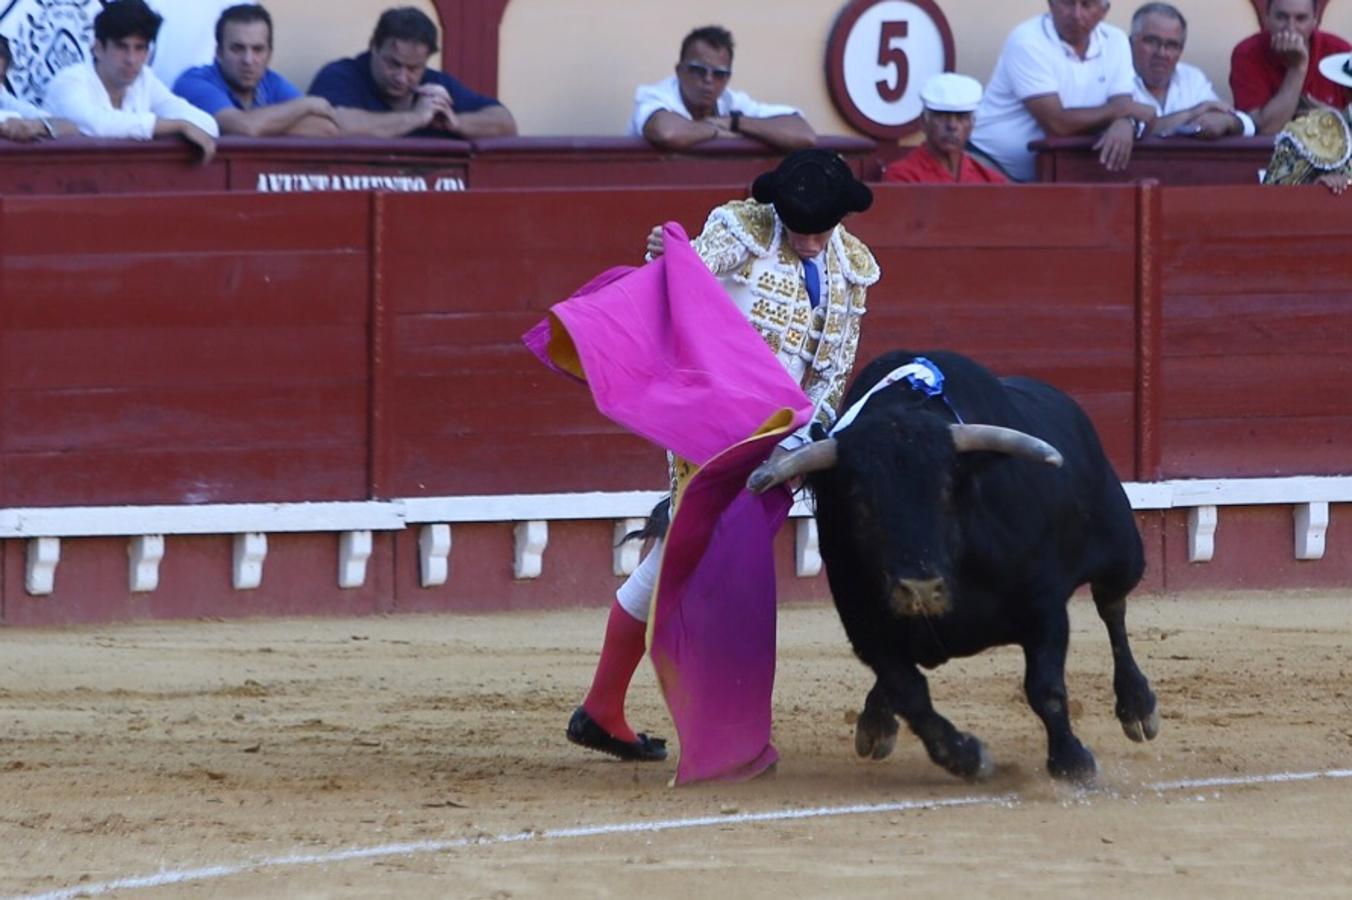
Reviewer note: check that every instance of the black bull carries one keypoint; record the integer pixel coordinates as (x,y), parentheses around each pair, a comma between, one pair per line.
(940,542)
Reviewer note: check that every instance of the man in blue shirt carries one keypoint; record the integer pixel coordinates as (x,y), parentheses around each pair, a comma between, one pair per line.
(388,91)
(244,95)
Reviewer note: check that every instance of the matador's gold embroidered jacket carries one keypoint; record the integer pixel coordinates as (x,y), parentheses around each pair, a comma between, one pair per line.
(1317,143)
(744,244)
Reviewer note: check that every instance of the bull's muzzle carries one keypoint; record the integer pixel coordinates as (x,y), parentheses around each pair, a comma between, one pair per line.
(913,597)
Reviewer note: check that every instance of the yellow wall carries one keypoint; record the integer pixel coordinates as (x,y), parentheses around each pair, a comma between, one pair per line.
(570,66)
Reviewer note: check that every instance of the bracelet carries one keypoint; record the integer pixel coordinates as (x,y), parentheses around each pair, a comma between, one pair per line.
(51,130)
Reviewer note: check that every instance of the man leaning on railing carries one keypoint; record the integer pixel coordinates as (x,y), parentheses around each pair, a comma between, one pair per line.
(243,93)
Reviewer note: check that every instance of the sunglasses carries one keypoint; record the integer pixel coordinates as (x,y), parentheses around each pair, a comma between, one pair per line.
(701,71)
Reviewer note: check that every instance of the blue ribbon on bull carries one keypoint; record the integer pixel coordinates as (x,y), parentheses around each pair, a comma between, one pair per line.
(920,374)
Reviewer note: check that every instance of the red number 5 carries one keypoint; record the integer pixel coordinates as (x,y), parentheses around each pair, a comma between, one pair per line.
(890,54)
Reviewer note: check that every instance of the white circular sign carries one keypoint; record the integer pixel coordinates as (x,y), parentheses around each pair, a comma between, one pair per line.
(882,54)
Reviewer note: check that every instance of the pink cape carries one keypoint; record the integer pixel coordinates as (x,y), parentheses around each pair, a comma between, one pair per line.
(669,357)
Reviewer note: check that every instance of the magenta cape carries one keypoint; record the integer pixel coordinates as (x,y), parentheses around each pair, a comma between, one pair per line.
(668,356)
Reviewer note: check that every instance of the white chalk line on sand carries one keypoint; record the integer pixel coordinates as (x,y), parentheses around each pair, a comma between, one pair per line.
(205,873)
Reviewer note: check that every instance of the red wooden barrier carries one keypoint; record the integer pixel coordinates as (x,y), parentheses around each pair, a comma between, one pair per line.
(183,349)
(1257,371)
(186,349)
(1171,160)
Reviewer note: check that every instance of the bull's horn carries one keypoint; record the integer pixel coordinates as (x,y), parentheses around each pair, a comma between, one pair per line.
(812,458)
(969,438)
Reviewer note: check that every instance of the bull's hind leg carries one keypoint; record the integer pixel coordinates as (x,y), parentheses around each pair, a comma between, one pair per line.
(1045,684)
(957,752)
(1136,708)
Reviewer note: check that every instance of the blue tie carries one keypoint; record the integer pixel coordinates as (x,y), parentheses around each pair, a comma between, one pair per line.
(813,279)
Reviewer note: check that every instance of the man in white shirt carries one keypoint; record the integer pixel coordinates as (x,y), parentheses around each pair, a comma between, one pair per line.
(1184,100)
(117,96)
(695,105)
(20,120)
(1062,73)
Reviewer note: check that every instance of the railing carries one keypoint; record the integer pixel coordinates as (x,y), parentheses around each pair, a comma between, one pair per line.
(417,165)
(1170,161)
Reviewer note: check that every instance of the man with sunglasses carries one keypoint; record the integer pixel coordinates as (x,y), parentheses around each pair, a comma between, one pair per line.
(695,105)
(1184,100)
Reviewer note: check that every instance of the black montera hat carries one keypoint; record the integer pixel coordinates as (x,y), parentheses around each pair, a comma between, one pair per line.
(812,190)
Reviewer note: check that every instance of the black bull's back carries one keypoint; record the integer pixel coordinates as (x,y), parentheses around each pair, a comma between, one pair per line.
(1009,538)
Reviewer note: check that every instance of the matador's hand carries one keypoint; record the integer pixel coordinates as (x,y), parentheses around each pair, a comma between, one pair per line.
(656,244)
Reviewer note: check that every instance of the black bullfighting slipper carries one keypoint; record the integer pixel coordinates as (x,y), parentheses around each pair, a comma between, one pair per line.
(585,732)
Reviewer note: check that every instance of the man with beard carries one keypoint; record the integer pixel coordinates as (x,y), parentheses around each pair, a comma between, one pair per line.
(389,91)
(246,96)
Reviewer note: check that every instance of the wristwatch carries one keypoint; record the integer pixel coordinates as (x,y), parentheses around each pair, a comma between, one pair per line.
(735,121)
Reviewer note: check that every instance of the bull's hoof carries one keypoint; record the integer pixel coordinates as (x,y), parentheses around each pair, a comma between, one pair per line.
(875,737)
(966,757)
(973,761)
(1141,730)
(1074,764)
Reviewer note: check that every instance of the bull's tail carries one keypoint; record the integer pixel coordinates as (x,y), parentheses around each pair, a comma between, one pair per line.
(655,526)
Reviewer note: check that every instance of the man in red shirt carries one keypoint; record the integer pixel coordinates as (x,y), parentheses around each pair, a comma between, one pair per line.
(950,100)
(1275,73)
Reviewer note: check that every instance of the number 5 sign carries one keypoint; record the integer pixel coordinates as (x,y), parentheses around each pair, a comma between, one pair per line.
(879,55)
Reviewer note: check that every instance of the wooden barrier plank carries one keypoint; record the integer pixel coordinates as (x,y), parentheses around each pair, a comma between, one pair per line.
(187,417)
(1246,448)
(1243,386)
(165,225)
(133,355)
(1308,325)
(201,290)
(934,217)
(317,471)
(545,463)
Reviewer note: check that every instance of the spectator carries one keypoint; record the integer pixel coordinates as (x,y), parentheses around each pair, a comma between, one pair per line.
(1183,98)
(949,100)
(1062,73)
(388,91)
(1271,75)
(695,105)
(20,120)
(116,96)
(1316,147)
(246,96)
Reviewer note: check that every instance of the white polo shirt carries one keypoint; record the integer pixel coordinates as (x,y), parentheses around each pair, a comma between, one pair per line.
(666,94)
(1188,87)
(1035,62)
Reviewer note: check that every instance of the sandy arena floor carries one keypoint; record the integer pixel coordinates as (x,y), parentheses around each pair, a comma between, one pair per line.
(150,750)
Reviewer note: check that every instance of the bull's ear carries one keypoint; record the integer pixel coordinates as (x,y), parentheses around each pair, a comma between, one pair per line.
(1010,441)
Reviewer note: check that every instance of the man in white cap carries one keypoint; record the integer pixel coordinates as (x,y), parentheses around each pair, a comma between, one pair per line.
(1316,148)
(950,101)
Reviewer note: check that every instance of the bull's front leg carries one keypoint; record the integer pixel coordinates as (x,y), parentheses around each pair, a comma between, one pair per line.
(1136,708)
(875,734)
(1044,683)
(959,753)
